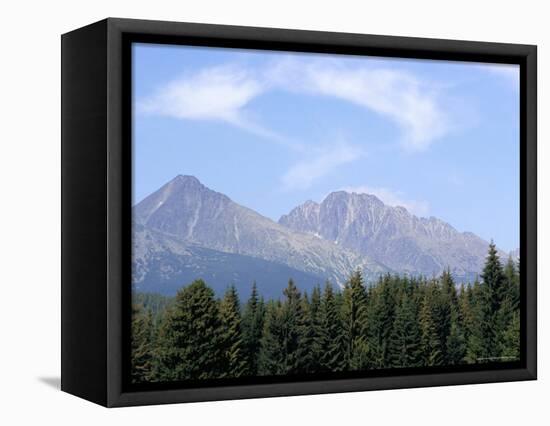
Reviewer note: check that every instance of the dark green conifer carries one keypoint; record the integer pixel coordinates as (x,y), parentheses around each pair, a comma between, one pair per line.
(465,308)
(510,292)
(233,362)
(293,318)
(306,337)
(444,308)
(252,327)
(456,342)
(354,317)
(507,341)
(431,343)
(189,337)
(380,317)
(142,341)
(331,339)
(492,294)
(272,359)
(475,327)
(510,345)
(315,332)
(404,346)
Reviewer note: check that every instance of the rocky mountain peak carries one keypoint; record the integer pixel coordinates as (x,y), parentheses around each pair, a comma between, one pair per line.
(182,197)
(390,235)
(187,180)
(184,183)
(347,207)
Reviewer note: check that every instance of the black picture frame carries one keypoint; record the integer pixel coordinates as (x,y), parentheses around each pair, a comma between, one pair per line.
(96,207)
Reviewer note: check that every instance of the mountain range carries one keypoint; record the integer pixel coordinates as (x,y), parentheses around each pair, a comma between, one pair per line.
(185,231)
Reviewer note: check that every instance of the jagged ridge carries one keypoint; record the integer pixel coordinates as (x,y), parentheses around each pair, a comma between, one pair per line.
(390,235)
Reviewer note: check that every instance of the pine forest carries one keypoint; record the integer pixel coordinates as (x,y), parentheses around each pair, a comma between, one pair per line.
(395,322)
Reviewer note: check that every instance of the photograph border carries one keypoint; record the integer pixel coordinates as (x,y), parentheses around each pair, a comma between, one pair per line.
(109,43)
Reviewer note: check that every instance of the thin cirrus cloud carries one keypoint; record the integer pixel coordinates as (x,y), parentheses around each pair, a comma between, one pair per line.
(218,93)
(399,96)
(323,161)
(392,198)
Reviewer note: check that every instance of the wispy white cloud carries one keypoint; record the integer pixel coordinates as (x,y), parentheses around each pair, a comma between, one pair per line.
(412,104)
(319,163)
(224,92)
(392,198)
(218,93)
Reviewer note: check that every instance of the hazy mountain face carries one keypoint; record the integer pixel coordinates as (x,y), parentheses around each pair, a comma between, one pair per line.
(390,235)
(184,213)
(163,264)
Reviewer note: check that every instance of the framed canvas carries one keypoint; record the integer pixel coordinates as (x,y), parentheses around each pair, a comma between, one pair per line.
(255,212)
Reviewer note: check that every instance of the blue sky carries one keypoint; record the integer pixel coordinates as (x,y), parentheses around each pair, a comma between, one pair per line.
(274,129)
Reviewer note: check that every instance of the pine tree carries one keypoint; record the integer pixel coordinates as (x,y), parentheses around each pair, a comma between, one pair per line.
(188,342)
(465,308)
(293,318)
(354,316)
(510,290)
(272,359)
(252,327)
(315,331)
(456,341)
(510,346)
(331,342)
(443,310)
(230,339)
(431,344)
(492,294)
(507,317)
(493,278)
(404,346)
(475,326)
(142,345)
(509,303)
(283,350)
(306,337)
(381,305)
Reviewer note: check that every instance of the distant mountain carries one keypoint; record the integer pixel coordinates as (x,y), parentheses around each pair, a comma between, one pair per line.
(390,235)
(185,231)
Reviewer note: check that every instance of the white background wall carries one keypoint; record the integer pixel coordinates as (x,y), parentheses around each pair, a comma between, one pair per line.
(30,211)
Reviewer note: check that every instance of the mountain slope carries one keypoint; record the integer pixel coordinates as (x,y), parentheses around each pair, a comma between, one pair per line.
(162,264)
(186,212)
(390,235)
